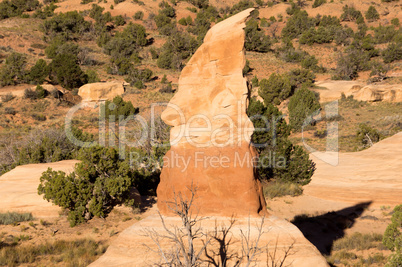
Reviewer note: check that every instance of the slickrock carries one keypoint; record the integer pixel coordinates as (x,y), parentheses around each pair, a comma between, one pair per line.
(210,138)
(19,189)
(373,175)
(95,92)
(134,247)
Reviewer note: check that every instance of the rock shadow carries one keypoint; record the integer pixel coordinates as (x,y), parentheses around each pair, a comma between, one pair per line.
(323,230)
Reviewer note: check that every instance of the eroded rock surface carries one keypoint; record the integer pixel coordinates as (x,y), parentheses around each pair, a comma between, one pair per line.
(374,93)
(134,247)
(210,138)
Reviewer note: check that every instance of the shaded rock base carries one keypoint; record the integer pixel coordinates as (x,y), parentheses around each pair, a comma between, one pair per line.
(134,247)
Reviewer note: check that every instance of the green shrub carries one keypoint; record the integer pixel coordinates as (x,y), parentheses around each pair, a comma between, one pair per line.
(395,22)
(119,20)
(39,72)
(92,76)
(255,82)
(45,12)
(372,14)
(343,35)
(311,62)
(275,89)
(302,105)
(179,47)
(41,92)
(67,26)
(350,13)
(100,182)
(318,3)
(256,40)
(320,35)
(199,3)
(384,34)
(118,1)
(139,15)
(164,18)
(138,77)
(64,70)
(295,165)
(96,12)
(120,107)
(182,21)
(59,46)
(349,64)
(300,77)
(246,68)
(288,53)
(126,43)
(240,6)
(84,2)
(298,23)
(15,217)
(292,9)
(202,22)
(393,52)
(14,8)
(367,136)
(13,71)
(120,65)
(393,234)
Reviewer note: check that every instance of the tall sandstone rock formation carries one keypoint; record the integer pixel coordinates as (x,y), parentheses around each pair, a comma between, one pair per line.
(210,137)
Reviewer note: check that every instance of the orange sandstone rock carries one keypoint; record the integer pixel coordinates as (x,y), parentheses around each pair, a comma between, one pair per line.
(210,138)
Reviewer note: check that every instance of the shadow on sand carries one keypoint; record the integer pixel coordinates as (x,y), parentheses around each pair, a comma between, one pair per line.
(323,230)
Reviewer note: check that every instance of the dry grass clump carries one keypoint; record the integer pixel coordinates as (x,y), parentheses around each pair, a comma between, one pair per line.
(359,241)
(14,217)
(72,253)
(280,189)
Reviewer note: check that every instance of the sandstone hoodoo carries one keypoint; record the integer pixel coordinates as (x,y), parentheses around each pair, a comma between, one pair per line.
(210,138)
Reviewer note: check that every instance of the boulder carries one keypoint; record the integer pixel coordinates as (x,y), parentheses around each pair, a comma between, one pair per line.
(210,138)
(102,91)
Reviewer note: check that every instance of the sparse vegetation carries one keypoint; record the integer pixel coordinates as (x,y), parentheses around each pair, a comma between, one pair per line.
(358,241)
(279,189)
(367,136)
(77,253)
(14,217)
